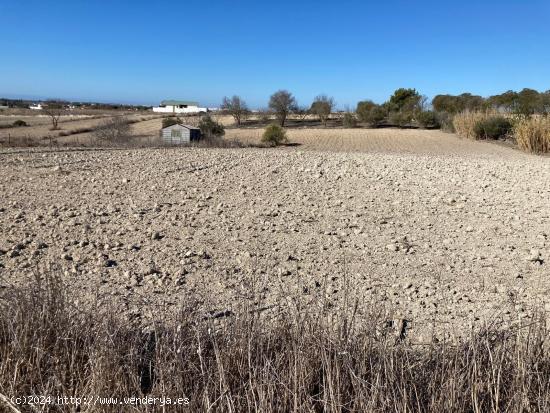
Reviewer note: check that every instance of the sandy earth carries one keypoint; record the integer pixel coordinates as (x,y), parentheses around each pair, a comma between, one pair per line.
(444,241)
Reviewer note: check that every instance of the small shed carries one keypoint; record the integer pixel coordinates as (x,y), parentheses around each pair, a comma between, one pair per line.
(180,134)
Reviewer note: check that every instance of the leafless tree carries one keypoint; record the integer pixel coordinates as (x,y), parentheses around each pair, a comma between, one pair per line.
(236,108)
(302,112)
(282,103)
(322,106)
(54,109)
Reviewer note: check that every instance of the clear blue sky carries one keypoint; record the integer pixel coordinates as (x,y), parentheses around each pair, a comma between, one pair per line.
(144,51)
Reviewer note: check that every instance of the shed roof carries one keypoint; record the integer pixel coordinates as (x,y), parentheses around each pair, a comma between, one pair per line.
(178,102)
(183,126)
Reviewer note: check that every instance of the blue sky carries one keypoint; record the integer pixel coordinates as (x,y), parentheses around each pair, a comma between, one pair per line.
(144,51)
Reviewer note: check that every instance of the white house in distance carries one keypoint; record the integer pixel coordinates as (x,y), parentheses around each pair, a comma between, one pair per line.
(179,106)
(36,107)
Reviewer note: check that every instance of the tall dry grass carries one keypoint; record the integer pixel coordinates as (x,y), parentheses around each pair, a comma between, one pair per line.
(464,123)
(533,134)
(242,362)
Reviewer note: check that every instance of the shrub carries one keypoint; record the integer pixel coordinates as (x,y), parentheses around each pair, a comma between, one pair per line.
(114,130)
(400,119)
(170,121)
(274,135)
(371,113)
(445,121)
(494,127)
(19,123)
(210,128)
(364,108)
(349,120)
(533,134)
(464,123)
(427,120)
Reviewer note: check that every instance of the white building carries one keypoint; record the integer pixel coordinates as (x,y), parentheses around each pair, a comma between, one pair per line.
(179,106)
(36,107)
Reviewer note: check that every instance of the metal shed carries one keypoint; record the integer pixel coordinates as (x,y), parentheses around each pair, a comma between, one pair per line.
(180,134)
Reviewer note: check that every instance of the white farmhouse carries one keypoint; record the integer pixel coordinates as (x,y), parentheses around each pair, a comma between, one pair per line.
(36,107)
(179,106)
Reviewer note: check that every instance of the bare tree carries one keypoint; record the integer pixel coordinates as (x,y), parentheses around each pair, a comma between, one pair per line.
(302,112)
(236,108)
(114,130)
(54,109)
(282,103)
(322,106)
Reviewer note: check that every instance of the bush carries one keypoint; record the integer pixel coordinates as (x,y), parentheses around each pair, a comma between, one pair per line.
(274,135)
(371,113)
(445,120)
(533,134)
(400,119)
(19,123)
(427,120)
(495,127)
(349,120)
(210,128)
(170,121)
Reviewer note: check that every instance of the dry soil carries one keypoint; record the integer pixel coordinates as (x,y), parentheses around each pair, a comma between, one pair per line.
(448,238)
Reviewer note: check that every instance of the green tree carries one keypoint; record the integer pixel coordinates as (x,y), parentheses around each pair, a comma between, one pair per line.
(507,101)
(445,103)
(405,100)
(529,102)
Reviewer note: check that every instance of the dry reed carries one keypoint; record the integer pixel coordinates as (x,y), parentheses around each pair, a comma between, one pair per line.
(243,362)
(464,123)
(533,134)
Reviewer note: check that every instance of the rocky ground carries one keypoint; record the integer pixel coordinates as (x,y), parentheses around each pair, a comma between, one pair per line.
(446,243)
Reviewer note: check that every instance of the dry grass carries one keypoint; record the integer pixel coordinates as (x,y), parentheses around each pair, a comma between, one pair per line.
(533,134)
(239,361)
(465,122)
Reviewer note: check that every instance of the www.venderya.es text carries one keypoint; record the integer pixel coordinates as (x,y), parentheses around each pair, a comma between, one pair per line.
(99,401)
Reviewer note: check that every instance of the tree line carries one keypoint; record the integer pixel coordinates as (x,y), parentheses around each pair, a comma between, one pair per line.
(405,107)
(525,102)
(281,103)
